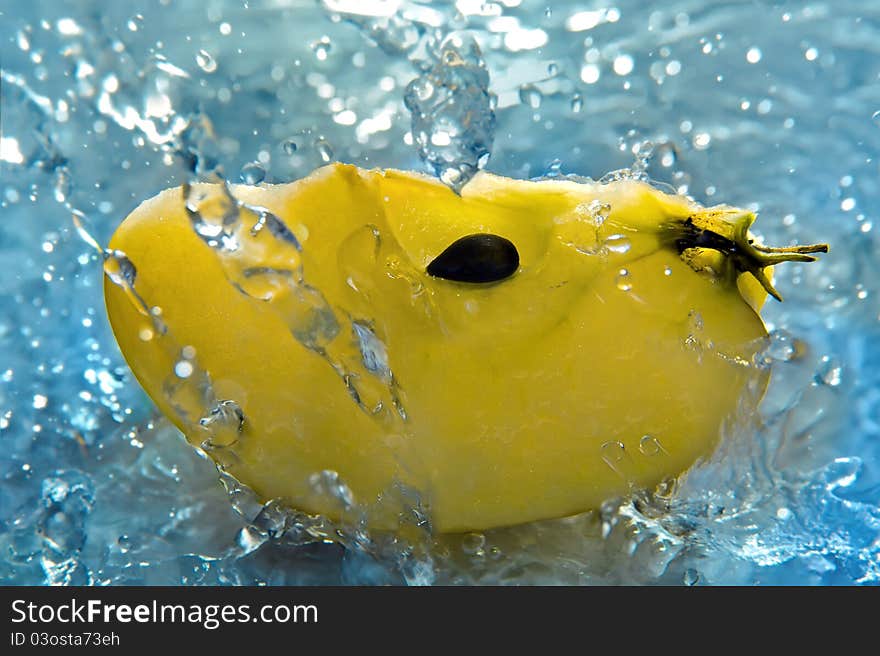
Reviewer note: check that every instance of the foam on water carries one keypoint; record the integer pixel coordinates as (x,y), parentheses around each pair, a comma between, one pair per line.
(770,107)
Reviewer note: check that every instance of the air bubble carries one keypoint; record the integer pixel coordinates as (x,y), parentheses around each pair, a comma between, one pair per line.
(649,445)
(183,369)
(252,173)
(473,544)
(577,103)
(691,577)
(328,484)
(325,150)
(623,280)
(623,65)
(615,456)
(321,48)
(830,372)
(530,95)
(206,62)
(618,243)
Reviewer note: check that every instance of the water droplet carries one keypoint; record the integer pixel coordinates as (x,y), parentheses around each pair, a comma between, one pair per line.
(623,280)
(753,56)
(876,117)
(667,271)
(206,62)
(289,146)
(577,103)
(552,69)
(252,173)
(530,95)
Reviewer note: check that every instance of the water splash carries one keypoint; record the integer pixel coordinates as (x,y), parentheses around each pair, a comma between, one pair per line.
(453,119)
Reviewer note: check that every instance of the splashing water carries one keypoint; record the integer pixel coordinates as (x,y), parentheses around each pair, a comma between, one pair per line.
(453,121)
(717,102)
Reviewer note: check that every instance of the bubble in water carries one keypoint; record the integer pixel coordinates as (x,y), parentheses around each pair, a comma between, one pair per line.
(782,346)
(328,484)
(649,445)
(325,151)
(577,103)
(289,146)
(422,88)
(373,352)
(205,61)
(666,154)
(691,577)
(876,117)
(61,188)
(252,173)
(22,41)
(618,243)
(615,456)
(183,369)
(473,544)
(321,48)
(530,95)
(624,280)
(830,372)
(623,65)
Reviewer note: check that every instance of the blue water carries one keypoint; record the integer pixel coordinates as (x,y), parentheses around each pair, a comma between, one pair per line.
(771,106)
